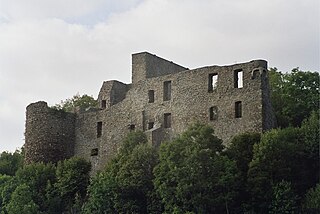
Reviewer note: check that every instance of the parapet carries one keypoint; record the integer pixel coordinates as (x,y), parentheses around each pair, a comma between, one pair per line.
(146,65)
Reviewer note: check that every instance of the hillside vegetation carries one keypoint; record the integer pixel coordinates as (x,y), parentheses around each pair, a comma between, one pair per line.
(273,172)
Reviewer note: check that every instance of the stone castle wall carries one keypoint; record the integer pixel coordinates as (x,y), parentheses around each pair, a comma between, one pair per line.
(49,135)
(163,100)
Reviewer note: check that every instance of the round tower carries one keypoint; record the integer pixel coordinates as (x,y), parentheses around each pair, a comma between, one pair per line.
(49,135)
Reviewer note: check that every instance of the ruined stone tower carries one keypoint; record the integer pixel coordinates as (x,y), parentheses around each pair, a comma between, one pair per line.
(163,100)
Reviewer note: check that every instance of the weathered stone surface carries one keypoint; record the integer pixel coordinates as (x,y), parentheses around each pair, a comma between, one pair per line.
(49,135)
(125,107)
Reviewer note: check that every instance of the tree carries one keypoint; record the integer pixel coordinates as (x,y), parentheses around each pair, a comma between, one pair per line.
(37,176)
(21,201)
(284,199)
(83,102)
(10,162)
(240,150)
(72,180)
(312,200)
(7,186)
(275,158)
(294,95)
(126,186)
(193,176)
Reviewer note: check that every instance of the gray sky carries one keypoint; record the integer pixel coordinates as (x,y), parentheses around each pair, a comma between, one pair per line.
(53,49)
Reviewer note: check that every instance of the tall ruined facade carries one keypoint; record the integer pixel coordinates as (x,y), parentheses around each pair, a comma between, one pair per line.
(163,100)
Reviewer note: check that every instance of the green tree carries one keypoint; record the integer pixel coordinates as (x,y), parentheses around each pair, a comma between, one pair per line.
(21,201)
(312,200)
(192,176)
(126,186)
(83,102)
(240,150)
(7,186)
(310,150)
(37,176)
(10,162)
(101,193)
(72,180)
(275,158)
(294,95)
(284,200)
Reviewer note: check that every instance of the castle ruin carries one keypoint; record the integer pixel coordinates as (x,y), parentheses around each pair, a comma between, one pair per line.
(163,100)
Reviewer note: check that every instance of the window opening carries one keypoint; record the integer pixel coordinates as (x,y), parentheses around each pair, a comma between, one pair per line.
(238,78)
(167,120)
(94,152)
(151,96)
(238,109)
(150,125)
(167,90)
(132,127)
(255,74)
(103,103)
(213,113)
(99,129)
(212,82)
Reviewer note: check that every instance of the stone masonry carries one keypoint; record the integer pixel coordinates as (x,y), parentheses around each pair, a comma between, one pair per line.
(163,100)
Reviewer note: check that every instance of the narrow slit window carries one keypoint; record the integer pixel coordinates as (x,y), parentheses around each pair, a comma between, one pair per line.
(150,125)
(103,103)
(99,129)
(212,82)
(151,96)
(238,78)
(94,152)
(255,74)
(238,109)
(167,120)
(213,113)
(167,90)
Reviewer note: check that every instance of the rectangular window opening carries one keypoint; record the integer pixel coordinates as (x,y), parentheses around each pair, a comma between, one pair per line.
(151,96)
(238,109)
(150,125)
(167,90)
(238,78)
(99,129)
(103,103)
(212,82)
(213,113)
(94,152)
(167,120)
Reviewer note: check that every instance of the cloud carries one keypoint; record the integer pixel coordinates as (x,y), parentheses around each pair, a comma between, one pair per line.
(48,51)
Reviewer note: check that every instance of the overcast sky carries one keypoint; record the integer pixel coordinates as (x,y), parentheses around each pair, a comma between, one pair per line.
(53,49)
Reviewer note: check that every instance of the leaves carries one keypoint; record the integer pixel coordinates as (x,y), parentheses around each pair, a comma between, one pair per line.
(294,95)
(186,163)
(83,102)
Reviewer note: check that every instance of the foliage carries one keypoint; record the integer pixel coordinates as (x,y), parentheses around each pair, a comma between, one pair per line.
(10,162)
(21,201)
(186,163)
(294,95)
(37,176)
(126,184)
(83,102)
(283,199)
(72,180)
(274,160)
(7,186)
(240,150)
(312,200)
(289,154)
(45,188)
